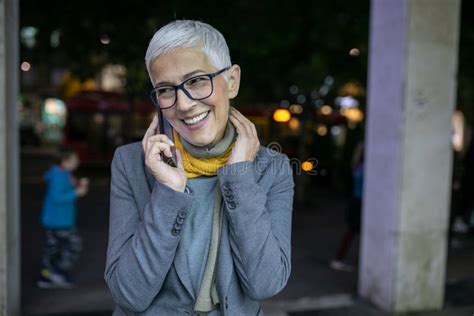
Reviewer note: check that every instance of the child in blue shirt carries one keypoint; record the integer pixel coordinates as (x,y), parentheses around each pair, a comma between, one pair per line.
(58,218)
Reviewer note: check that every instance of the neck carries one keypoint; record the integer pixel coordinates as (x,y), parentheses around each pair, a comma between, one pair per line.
(212,150)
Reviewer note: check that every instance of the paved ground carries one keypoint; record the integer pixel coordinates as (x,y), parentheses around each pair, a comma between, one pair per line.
(313,288)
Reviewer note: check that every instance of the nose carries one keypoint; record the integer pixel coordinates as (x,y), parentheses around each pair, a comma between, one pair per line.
(183,102)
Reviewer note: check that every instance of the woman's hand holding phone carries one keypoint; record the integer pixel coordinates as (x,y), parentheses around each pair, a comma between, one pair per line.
(154,145)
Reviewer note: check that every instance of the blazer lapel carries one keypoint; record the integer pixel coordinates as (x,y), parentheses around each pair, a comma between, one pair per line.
(181,266)
(225,264)
(180,260)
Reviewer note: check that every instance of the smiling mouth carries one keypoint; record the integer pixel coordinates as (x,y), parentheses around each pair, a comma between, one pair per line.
(196,119)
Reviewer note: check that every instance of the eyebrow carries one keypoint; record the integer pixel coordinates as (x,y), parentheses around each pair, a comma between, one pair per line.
(186,76)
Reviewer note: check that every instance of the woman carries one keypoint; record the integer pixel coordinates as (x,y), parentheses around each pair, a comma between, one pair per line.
(211,236)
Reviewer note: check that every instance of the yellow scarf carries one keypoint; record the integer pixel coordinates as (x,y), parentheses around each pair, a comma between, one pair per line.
(196,167)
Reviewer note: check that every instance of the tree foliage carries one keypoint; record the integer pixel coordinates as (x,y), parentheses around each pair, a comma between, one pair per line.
(276,43)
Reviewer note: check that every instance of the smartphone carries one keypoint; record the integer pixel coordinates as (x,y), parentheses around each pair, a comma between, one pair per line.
(164,127)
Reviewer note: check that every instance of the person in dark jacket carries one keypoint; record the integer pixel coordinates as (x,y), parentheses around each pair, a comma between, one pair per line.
(354,211)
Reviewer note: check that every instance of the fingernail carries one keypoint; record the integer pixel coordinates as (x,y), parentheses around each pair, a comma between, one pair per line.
(170,142)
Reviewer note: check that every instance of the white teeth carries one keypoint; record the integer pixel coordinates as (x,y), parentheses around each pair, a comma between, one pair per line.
(196,119)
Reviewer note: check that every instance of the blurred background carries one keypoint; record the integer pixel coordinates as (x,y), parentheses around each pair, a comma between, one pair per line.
(304,84)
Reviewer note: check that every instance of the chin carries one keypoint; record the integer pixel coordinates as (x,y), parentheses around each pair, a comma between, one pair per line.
(200,141)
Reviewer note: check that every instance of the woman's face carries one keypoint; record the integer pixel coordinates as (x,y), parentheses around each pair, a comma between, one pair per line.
(181,64)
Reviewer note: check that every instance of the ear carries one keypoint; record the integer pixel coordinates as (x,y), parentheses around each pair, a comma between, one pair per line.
(233,81)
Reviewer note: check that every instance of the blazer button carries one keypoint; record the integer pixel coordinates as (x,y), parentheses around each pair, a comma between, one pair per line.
(180,220)
(177,227)
(225,185)
(182,214)
(231,205)
(175,232)
(227,193)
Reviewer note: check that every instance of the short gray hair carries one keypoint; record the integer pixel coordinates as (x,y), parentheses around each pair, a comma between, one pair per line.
(188,34)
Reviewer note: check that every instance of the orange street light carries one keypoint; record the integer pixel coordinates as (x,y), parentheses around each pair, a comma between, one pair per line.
(307,166)
(281,115)
(326,110)
(353,114)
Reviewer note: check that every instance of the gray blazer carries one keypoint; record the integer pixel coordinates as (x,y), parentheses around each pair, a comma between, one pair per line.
(146,270)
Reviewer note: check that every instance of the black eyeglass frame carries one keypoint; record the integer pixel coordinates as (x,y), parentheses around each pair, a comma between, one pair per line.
(181,87)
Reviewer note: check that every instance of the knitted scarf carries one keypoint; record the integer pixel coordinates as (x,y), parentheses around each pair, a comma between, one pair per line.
(204,161)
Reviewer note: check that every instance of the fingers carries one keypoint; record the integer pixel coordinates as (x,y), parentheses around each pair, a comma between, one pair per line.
(155,145)
(243,123)
(162,142)
(153,158)
(150,132)
(247,143)
(151,136)
(246,123)
(238,125)
(154,152)
(162,138)
(152,128)
(179,159)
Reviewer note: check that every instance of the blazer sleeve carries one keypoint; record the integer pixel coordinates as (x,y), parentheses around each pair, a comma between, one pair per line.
(259,226)
(141,250)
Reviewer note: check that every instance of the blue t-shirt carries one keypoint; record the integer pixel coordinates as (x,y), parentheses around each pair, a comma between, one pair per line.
(59,210)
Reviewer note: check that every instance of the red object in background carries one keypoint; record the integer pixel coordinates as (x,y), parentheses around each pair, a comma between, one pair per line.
(96,124)
(97,101)
(143,107)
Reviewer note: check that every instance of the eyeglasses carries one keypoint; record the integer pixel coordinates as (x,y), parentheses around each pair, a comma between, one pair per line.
(196,88)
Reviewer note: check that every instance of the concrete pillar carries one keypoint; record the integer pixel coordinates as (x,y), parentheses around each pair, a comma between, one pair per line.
(412,93)
(9,161)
